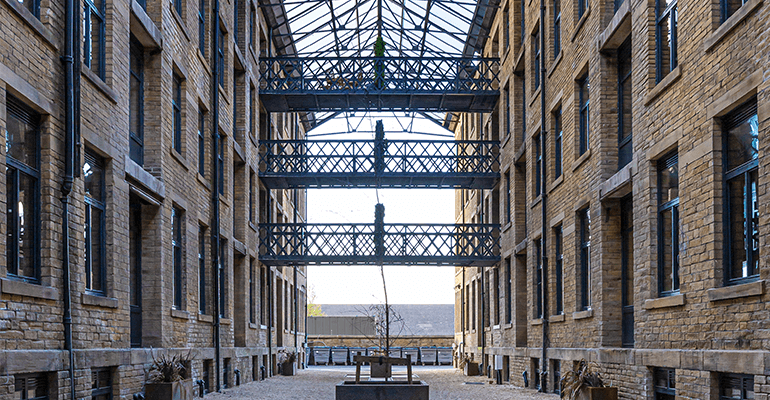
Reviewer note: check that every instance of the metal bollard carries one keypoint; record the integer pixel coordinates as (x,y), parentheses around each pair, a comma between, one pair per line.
(237,377)
(201,387)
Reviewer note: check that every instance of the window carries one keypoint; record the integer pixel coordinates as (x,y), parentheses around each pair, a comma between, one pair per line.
(136,102)
(176,104)
(538,280)
(506,29)
(507,98)
(221,164)
(201,142)
(584,116)
(473,306)
(507,197)
(221,57)
(741,144)
(668,225)
(536,372)
(523,116)
(176,243)
(252,25)
(556,28)
(96,262)
(665,38)
(496,296)
(582,5)
(627,270)
(101,384)
(22,175)
(508,298)
(538,165)
(222,276)
(252,194)
(252,294)
(202,269)
(625,144)
(202,27)
(206,375)
(664,383)
(93,36)
(252,107)
(522,14)
(736,387)
(31,387)
(262,295)
(236,111)
(556,372)
(178,7)
(558,141)
(536,59)
(236,17)
(558,246)
(33,6)
(584,294)
(729,7)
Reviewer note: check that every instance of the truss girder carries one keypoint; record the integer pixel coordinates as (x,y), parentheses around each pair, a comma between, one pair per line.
(427,84)
(401,244)
(374,163)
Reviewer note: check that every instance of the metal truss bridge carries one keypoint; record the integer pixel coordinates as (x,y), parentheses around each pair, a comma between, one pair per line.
(413,84)
(379,163)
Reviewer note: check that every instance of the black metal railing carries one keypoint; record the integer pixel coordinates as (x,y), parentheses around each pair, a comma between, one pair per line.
(390,244)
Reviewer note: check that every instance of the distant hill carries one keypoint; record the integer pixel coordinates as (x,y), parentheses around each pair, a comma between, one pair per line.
(419,319)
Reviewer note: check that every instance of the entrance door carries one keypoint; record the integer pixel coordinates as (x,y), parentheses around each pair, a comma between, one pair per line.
(135,261)
(627,269)
(279,312)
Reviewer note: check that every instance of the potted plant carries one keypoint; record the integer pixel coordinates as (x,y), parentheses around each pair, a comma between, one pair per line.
(585,383)
(286,359)
(169,378)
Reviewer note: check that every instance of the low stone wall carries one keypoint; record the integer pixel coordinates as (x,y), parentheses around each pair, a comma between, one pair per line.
(362,341)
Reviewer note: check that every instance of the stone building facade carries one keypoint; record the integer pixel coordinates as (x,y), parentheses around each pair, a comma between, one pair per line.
(141,240)
(656,125)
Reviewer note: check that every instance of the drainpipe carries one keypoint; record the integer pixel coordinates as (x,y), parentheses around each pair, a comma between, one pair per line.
(296,303)
(215,192)
(544,194)
(71,62)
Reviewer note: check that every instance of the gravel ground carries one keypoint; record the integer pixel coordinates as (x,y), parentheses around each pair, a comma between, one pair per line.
(317,383)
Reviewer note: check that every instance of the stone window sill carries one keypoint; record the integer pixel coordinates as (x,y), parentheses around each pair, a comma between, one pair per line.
(731,23)
(520,152)
(583,314)
(661,87)
(556,318)
(205,63)
(203,181)
(179,158)
(99,83)
(556,182)
(520,247)
(538,321)
(225,321)
(181,314)
(537,201)
(33,22)
(253,325)
(19,288)
(756,288)
(98,301)
(506,139)
(205,318)
(664,302)
(252,226)
(581,160)
(507,226)
(535,96)
(556,62)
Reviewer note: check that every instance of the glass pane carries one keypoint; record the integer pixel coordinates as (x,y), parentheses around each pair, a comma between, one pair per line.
(668,181)
(21,140)
(743,143)
(666,251)
(93,176)
(737,226)
(27,225)
(95,37)
(96,249)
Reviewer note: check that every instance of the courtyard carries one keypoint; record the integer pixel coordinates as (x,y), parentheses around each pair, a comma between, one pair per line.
(317,383)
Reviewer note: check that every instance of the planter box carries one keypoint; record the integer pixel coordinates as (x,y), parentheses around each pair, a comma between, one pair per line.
(418,390)
(377,370)
(287,368)
(471,369)
(181,390)
(605,393)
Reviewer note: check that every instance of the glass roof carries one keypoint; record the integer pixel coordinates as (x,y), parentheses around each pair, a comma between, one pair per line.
(349,28)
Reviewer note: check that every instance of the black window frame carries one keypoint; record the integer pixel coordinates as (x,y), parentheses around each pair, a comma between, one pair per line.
(627,271)
(99,204)
(523,108)
(558,145)
(202,275)
(667,376)
(672,206)
(558,247)
(584,251)
(507,115)
(252,25)
(536,59)
(177,239)
(202,27)
(496,291)
(726,10)
(176,107)
(667,15)
(252,293)
(506,28)
(201,142)
(221,164)
(252,107)
(584,110)
(221,57)
(508,291)
(178,7)
(743,114)
(625,133)
(556,28)
(523,27)
(538,165)
(15,170)
(99,392)
(90,8)
(33,6)
(252,195)
(222,271)
(136,139)
(582,7)
(507,188)
(538,301)
(742,382)
(25,383)
(236,14)
(263,295)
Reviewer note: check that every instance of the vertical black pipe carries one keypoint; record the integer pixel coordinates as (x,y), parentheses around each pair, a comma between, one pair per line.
(70,127)
(544,193)
(215,251)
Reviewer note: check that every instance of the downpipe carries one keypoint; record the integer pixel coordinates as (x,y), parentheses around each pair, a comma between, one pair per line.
(544,197)
(215,251)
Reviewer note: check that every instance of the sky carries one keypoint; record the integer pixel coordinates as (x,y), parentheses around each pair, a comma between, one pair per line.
(363,284)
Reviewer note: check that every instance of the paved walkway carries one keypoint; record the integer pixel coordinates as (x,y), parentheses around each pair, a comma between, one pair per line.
(317,383)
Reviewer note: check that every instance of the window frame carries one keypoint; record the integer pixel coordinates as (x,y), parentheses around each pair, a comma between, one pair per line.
(176,107)
(746,382)
(137,138)
(252,293)
(582,7)
(201,142)
(202,27)
(669,13)
(24,379)
(177,245)
(538,301)
(202,269)
(220,159)
(538,165)
(536,59)
(508,291)
(558,244)
(15,169)
(556,5)
(584,109)
(670,378)
(221,57)
(624,55)
(90,9)
(91,203)
(670,206)
(726,12)
(98,391)
(584,250)
(558,129)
